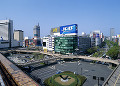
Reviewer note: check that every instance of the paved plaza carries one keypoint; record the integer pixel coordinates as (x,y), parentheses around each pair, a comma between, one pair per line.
(86,69)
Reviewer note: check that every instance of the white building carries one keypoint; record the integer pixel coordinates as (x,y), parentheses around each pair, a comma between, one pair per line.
(6,33)
(48,43)
(18,35)
(18,38)
(96,38)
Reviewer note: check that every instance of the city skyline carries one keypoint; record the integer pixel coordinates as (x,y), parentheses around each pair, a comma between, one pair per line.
(89,15)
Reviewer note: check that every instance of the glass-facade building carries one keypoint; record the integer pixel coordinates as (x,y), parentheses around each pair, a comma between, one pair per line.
(66,44)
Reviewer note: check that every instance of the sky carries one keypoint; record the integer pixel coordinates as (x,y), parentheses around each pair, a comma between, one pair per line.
(90,15)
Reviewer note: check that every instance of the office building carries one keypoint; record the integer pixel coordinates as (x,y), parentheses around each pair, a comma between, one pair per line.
(36,38)
(84,43)
(66,44)
(6,33)
(96,38)
(18,38)
(36,31)
(48,43)
(18,35)
(112,33)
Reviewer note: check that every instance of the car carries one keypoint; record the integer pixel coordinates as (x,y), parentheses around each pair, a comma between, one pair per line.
(58,72)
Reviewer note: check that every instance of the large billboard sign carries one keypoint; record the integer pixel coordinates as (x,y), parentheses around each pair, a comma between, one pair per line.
(55,30)
(69,29)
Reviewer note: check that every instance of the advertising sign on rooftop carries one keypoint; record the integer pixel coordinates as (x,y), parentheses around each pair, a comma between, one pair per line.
(97,35)
(69,29)
(55,30)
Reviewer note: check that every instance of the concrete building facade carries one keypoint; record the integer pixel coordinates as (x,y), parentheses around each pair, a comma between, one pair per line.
(96,38)
(6,33)
(112,33)
(18,35)
(84,43)
(36,31)
(48,43)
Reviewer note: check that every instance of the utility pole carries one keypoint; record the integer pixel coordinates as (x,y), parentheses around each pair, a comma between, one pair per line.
(98,78)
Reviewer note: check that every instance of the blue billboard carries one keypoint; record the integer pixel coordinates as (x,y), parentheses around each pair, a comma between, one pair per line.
(69,29)
(97,35)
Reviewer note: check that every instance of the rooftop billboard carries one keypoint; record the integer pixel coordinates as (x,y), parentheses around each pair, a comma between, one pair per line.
(69,29)
(55,30)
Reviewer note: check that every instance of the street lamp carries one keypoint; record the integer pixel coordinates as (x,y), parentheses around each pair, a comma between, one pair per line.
(78,66)
(81,71)
(76,50)
(98,78)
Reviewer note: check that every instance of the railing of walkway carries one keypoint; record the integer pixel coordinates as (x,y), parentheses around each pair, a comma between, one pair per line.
(106,82)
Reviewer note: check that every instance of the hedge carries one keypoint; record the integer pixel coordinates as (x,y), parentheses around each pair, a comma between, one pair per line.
(79,80)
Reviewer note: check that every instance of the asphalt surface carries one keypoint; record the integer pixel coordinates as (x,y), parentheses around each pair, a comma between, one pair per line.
(86,69)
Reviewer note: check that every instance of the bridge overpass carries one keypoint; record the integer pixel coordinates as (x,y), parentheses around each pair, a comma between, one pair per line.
(36,61)
(112,80)
(59,56)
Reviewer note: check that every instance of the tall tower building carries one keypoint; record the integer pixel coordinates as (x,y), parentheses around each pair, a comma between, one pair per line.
(36,31)
(18,35)
(112,33)
(6,31)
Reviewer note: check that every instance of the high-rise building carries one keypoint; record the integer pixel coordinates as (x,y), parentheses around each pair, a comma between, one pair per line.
(96,38)
(66,44)
(18,35)
(36,31)
(112,33)
(36,38)
(6,33)
(84,43)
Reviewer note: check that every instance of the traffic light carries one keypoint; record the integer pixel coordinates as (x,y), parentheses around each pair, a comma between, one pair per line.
(94,77)
(102,78)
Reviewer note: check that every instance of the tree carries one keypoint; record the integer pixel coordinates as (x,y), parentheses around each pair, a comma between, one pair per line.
(35,55)
(92,50)
(96,54)
(113,52)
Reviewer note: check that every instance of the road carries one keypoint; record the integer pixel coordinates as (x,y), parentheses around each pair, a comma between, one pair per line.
(82,57)
(88,70)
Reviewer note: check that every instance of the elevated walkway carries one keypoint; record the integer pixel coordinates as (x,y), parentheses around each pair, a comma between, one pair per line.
(15,75)
(114,78)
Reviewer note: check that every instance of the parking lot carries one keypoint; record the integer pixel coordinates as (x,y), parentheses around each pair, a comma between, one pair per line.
(86,69)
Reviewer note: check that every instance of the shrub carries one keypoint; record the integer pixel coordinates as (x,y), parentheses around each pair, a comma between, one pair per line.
(79,80)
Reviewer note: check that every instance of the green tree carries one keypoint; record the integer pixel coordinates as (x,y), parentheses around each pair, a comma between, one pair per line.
(113,52)
(35,55)
(92,50)
(102,44)
(96,54)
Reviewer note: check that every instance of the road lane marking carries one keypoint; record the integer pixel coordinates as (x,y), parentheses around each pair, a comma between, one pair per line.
(116,80)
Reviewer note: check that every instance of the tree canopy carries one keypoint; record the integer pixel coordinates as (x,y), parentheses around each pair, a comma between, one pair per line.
(92,50)
(113,52)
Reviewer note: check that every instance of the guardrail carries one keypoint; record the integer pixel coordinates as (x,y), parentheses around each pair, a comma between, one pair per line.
(106,82)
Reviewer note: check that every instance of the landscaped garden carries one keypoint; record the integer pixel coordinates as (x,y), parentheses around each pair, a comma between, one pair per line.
(65,78)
